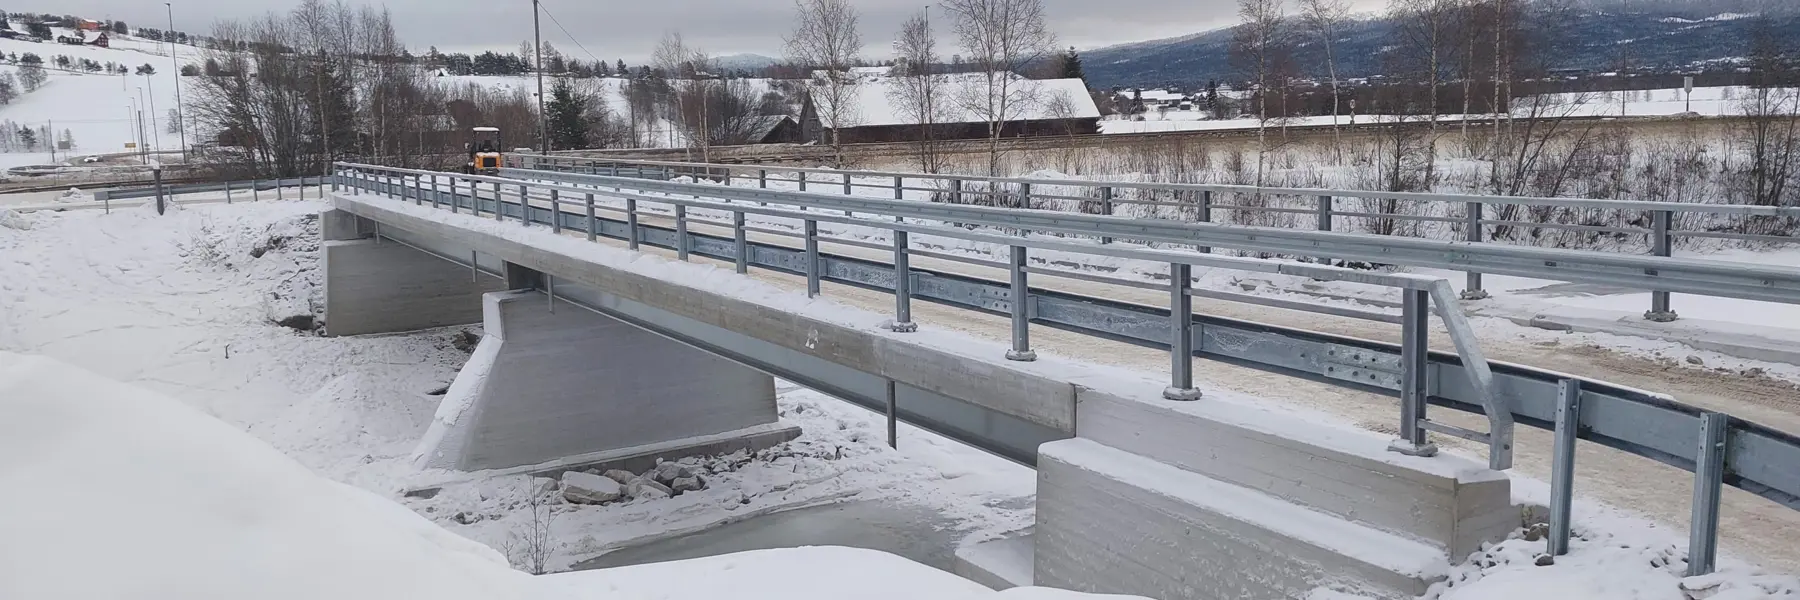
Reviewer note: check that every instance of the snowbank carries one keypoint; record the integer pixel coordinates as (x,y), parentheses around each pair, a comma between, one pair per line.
(180,505)
(184,506)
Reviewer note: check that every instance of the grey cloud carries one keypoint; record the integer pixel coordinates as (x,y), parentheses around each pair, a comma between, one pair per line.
(617,29)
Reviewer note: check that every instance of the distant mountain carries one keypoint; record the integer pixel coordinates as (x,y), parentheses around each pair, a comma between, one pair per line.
(745,62)
(1667,39)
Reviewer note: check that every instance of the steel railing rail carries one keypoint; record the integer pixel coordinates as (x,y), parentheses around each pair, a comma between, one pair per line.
(1718,449)
(1661,232)
(1768,283)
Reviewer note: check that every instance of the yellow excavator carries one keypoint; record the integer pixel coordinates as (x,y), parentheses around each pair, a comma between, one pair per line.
(484,151)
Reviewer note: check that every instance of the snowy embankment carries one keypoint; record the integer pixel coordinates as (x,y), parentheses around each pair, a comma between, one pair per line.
(218,514)
(182,306)
(99,110)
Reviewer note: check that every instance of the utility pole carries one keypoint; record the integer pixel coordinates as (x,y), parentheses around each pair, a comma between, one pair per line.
(154,131)
(537,50)
(180,118)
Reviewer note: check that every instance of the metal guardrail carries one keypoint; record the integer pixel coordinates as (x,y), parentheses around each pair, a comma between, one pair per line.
(252,185)
(1104,198)
(1717,448)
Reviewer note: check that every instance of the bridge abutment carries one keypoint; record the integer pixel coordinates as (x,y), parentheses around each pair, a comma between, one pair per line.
(374,285)
(563,385)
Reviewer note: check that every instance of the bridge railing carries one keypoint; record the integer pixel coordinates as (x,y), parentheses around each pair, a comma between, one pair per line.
(1653,227)
(1717,448)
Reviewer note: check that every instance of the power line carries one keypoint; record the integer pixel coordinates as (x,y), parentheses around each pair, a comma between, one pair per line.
(566,33)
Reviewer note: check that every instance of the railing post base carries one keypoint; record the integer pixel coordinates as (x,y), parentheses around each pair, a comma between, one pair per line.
(903,327)
(1667,316)
(1475,294)
(1021,355)
(1411,449)
(1181,394)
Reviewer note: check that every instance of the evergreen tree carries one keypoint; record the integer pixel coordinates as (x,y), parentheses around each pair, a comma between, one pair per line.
(1071,65)
(29,138)
(119,27)
(621,69)
(329,97)
(568,118)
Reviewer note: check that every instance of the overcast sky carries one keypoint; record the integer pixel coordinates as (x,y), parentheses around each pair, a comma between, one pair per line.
(629,29)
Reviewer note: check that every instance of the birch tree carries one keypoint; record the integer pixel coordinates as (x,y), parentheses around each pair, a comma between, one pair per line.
(1000,38)
(825,38)
(1255,49)
(1325,19)
(917,88)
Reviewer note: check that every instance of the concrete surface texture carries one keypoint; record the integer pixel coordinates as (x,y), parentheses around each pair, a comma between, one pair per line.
(999,564)
(1449,502)
(573,382)
(1109,521)
(376,286)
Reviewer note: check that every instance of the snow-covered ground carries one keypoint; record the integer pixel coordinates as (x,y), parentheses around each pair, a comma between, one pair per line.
(1707,101)
(181,305)
(98,109)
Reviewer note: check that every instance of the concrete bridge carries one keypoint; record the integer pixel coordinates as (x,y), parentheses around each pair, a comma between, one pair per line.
(598,354)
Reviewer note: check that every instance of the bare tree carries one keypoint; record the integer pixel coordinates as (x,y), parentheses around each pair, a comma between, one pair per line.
(1424,28)
(917,88)
(1325,19)
(530,550)
(1000,38)
(690,70)
(825,39)
(1257,49)
(1770,131)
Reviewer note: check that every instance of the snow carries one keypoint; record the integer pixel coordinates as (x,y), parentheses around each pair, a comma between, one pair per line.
(96,108)
(213,512)
(786,574)
(874,104)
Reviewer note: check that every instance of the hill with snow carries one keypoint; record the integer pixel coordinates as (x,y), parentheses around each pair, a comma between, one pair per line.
(99,110)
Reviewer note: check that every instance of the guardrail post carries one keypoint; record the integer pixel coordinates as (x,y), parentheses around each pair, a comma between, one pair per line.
(903,322)
(228,192)
(1661,244)
(1324,213)
(1562,466)
(741,237)
(802,180)
(1106,208)
(334,182)
(899,188)
(555,211)
(1024,202)
(727,176)
(681,232)
(893,415)
(1205,215)
(1709,476)
(1021,309)
(524,205)
(847,191)
(1415,332)
(255,193)
(1181,335)
(812,258)
(593,226)
(762,178)
(956,195)
(1473,215)
(161,205)
(278,181)
(499,212)
(437,196)
(632,239)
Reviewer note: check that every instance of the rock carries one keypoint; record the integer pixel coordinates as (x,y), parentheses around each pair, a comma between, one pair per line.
(620,475)
(644,487)
(543,485)
(466,518)
(1695,360)
(465,340)
(298,322)
(1537,531)
(687,484)
(588,488)
(667,473)
(1545,560)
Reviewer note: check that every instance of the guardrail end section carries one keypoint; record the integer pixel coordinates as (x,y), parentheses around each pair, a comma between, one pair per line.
(1481,376)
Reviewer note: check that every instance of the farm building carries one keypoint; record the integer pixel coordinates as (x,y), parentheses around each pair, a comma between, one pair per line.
(1052,107)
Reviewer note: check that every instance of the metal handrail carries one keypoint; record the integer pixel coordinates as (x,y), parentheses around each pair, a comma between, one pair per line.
(1631,205)
(1660,234)
(1643,423)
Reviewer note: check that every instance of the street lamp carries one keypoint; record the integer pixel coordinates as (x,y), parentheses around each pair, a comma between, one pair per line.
(180,118)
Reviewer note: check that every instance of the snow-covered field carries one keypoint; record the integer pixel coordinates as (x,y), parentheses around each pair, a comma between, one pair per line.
(181,306)
(1706,102)
(98,109)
